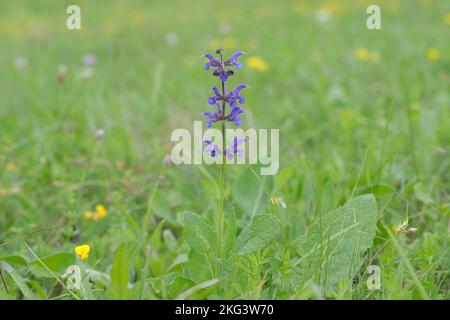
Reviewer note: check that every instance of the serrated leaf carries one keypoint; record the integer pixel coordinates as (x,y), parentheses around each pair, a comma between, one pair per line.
(201,238)
(333,247)
(56,263)
(257,233)
(199,234)
(250,190)
(119,275)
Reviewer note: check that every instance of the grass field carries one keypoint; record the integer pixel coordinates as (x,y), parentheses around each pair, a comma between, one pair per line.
(364,175)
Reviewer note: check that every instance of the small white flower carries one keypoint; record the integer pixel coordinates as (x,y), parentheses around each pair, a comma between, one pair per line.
(86,73)
(20,62)
(100,134)
(225,27)
(171,39)
(403,228)
(323,15)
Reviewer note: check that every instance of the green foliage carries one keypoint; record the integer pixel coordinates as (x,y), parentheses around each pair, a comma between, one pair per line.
(57,263)
(257,234)
(334,247)
(201,238)
(250,191)
(18,280)
(119,274)
(348,127)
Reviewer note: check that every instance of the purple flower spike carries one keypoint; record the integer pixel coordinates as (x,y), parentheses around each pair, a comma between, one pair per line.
(211,148)
(221,97)
(233,148)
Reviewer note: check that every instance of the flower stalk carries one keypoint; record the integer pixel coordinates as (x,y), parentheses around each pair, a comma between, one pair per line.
(220,99)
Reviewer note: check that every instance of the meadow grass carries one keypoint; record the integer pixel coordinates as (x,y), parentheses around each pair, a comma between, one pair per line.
(359,112)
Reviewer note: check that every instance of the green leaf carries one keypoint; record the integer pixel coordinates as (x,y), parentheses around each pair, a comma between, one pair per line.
(257,233)
(199,234)
(250,191)
(155,241)
(179,260)
(333,247)
(56,263)
(380,190)
(199,291)
(178,285)
(201,238)
(119,275)
(15,259)
(421,193)
(20,282)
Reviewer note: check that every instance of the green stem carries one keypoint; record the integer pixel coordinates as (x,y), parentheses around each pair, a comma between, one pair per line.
(220,213)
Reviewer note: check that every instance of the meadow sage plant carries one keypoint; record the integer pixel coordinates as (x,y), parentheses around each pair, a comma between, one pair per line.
(221,98)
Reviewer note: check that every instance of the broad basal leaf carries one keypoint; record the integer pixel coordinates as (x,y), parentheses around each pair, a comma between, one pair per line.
(200,236)
(333,248)
(257,233)
(57,263)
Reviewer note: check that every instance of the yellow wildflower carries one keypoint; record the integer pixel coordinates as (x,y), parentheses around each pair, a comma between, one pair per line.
(447,18)
(83,251)
(3,192)
(362,54)
(11,166)
(258,64)
(433,54)
(101,210)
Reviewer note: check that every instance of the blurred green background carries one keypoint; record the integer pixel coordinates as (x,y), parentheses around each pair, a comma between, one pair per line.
(357,110)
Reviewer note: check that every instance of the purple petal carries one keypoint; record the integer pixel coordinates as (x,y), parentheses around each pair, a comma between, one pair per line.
(212,61)
(208,114)
(236,55)
(237,121)
(216,91)
(212,100)
(229,154)
(223,76)
(238,89)
(208,148)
